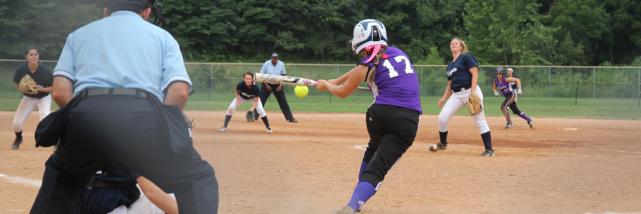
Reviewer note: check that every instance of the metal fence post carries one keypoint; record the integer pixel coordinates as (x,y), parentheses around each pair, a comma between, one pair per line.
(549,81)
(639,96)
(593,83)
(210,81)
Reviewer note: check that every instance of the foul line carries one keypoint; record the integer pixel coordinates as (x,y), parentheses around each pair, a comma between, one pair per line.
(21,180)
(610,150)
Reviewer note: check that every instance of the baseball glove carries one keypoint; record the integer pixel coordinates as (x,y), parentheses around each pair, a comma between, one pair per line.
(251,117)
(27,85)
(189,121)
(474,105)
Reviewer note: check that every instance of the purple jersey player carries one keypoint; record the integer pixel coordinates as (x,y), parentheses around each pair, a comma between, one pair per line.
(392,119)
(504,85)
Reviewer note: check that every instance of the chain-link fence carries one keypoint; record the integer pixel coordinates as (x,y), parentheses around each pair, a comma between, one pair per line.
(216,79)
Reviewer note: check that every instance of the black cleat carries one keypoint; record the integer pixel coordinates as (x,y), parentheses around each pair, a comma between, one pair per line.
(16,144)
(438,146)
(508,125)
(488,153)
(292,120)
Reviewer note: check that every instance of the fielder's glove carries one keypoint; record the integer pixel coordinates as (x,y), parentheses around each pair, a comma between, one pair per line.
(250,116)
(189,121)
(474,105)
(27,85)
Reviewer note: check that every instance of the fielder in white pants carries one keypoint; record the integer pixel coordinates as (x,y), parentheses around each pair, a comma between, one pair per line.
(26,106)
(462,75)
(246,91)
(44,78)
(455,103)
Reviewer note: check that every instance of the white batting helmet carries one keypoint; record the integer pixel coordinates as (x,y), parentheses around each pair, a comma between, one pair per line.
(368,32)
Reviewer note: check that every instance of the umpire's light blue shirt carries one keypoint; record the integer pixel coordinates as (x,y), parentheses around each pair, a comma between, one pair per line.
(269,68)
(122,51)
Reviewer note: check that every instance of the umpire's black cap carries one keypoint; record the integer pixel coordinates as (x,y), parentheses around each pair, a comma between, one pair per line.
(129,5)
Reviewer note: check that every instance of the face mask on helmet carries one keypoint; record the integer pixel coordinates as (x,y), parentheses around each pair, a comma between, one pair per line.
(368,32)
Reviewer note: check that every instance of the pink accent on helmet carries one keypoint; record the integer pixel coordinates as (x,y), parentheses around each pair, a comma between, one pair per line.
(373,49)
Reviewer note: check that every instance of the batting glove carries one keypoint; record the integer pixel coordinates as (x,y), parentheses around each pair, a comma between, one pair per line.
(496,93)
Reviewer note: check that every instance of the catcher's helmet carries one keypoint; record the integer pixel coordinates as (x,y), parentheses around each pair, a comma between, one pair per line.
(368,32)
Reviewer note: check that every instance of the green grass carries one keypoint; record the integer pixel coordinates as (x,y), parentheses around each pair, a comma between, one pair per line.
(534,106)
(627,109)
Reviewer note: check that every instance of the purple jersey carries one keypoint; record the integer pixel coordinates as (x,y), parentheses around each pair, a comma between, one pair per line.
(503,86)
(395,83)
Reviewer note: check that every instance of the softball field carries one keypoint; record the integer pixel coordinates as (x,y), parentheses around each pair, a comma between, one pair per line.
(560,166)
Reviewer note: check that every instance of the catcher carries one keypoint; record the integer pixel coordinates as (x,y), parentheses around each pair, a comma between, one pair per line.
(34,82)
(247,91)
(462,88)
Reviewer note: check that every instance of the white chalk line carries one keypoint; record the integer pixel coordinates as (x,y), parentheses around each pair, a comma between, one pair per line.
(610,150)
(21,180)
(361,147)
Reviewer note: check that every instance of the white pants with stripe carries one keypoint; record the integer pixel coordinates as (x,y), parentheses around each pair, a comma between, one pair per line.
(454,103)
(235,103)
(25,108)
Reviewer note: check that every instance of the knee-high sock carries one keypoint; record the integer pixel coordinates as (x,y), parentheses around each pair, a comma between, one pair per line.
(265,121)
(362,169)
(487,140)
(227,119)
(525,117)
(363,191)
(443,137)
(19,135)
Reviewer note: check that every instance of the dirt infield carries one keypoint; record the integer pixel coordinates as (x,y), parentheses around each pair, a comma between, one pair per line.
(561,166)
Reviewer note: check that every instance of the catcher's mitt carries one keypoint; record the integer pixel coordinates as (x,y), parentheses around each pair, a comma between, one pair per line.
(474,105)
(251,117)
(27,85)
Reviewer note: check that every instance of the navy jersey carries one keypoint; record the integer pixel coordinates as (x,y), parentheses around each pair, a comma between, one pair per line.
(42,76)
(246,92)
(458,71)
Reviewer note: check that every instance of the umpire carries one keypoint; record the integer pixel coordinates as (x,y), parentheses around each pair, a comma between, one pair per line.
(123,83)
(275,67)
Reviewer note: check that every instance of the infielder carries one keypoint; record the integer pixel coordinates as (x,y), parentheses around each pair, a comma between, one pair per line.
(122,84)
(510,88)
(392,119)
(462,81)
(41,99)
(246,91)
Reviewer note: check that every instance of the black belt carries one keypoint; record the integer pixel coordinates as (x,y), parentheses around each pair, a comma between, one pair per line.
(114,91)
(465,87)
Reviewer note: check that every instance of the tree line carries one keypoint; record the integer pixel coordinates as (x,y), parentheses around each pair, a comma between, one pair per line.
(513,32)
